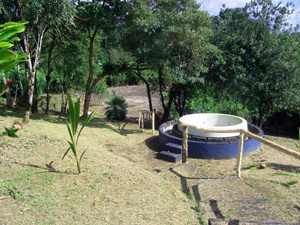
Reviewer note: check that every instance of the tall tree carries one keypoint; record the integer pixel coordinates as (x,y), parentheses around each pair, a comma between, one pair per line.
(172,38)
(259,56)
(41,16)
(96,17)
(69,66)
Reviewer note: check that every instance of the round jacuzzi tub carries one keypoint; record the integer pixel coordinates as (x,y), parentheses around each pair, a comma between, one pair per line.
(212,120)
(209,147)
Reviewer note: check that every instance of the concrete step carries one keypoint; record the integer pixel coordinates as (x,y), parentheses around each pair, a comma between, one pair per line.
(174,148)
(169,156)
(243,210)
(235,200)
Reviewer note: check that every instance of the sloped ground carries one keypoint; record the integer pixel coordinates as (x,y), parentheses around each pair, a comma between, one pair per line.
(123,181)
(37,187)
(259,196)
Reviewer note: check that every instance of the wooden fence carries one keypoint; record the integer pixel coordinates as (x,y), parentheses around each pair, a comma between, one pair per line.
(145,114)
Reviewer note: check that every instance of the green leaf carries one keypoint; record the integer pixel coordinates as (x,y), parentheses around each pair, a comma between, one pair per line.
(76,115)
(70,132)
(88,119)
(5,45)
(14,39)
(22,56)
(291,183)
(72,145)
(9,24)
(82,155)
(71,113)
(66,153)
(3,133)
(284,174)
(6,65)
(8,32)
(7,55)
(11,132)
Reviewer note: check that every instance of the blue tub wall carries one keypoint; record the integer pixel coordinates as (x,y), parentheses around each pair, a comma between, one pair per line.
(211,150)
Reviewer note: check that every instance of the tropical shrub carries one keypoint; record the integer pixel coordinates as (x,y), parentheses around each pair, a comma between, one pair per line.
(10,132)
(116,109)
(8,59)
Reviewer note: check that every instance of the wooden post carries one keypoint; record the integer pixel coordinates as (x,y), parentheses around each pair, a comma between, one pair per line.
(184,144)
(153,122)
(139,118)
(240,154)
(142,121)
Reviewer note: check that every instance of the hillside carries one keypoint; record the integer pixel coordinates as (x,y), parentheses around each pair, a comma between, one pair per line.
(110,190)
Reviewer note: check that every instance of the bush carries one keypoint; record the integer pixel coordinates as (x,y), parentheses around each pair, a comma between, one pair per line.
(208,101)
(116,109)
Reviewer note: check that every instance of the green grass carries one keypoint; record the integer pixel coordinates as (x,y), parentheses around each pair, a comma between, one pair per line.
(109,190)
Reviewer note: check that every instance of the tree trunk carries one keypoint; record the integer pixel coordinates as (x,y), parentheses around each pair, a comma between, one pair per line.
(16,94)
(30,86)
(167,108)
(48,77)
(179,99)
(89,89)
(140,75)
(20,81)
(9,102)
(66,103)
(87,101)
(34,108)
(32,63)
(63,107)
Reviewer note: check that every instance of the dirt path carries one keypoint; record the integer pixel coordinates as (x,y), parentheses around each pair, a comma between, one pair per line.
(259,196)
(135,96)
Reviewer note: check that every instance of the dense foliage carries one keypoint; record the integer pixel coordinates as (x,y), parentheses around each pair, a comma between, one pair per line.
(260,58)
(245,61)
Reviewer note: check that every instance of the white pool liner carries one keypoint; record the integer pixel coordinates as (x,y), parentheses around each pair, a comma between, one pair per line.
(215,121)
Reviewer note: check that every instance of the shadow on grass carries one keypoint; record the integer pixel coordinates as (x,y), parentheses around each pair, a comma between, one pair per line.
(46,169)
(153,144)
(14,112)
(286,168)
(119,127)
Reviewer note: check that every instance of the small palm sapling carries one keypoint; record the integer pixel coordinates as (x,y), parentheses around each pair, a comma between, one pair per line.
(74,111)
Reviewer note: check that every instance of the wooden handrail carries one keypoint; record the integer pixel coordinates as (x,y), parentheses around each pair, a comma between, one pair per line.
(241,142)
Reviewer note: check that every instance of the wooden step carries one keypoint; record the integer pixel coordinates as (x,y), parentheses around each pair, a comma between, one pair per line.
(169,156)
(174,148)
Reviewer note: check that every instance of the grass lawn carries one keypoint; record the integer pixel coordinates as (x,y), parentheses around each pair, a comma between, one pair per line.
(37,187)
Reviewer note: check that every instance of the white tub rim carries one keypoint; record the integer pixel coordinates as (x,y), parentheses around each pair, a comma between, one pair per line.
(204,122)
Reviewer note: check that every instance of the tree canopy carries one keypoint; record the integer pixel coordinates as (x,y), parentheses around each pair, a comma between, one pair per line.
(245,57)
